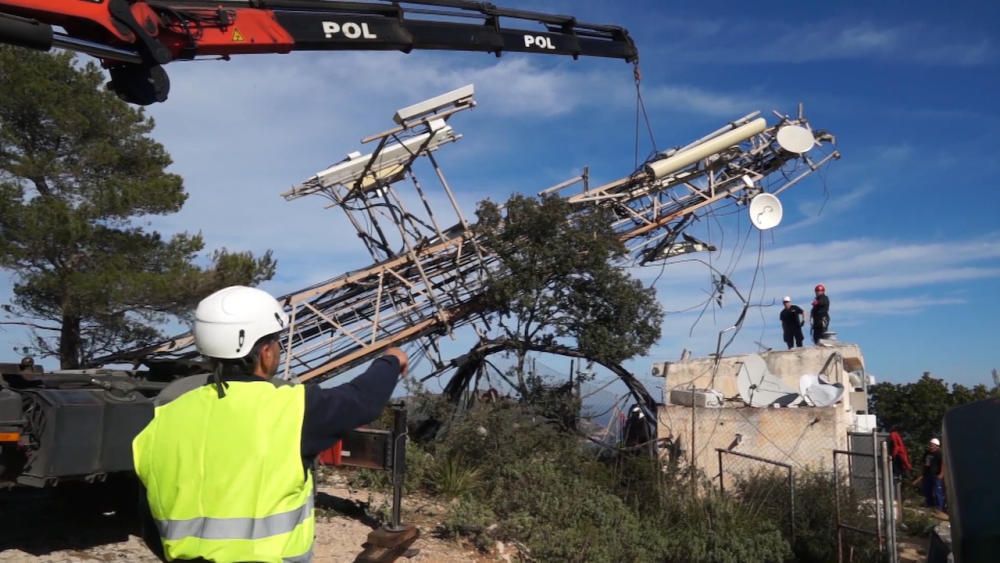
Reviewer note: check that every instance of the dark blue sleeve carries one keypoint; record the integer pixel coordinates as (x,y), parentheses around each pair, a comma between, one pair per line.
(331,413)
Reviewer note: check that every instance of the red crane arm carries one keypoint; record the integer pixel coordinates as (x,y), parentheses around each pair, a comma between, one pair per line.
(135,37)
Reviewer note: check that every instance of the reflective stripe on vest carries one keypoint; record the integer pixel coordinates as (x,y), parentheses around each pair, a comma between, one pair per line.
(224,477)
(236,528)
(304,558)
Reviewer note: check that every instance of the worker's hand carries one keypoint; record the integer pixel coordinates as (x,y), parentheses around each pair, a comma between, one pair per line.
(399,354)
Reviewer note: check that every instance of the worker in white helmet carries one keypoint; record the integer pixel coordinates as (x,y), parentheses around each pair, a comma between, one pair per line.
(933,477)
(792,318)
(226,461)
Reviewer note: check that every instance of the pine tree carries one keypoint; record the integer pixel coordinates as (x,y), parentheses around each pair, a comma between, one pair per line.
(557,288)
(78,171)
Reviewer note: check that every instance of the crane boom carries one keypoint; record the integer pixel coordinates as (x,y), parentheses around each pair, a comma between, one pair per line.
(135,38)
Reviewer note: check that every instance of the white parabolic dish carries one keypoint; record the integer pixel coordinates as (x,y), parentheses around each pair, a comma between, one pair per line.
(796,139)
(818,393)
(765,211)
(757,386)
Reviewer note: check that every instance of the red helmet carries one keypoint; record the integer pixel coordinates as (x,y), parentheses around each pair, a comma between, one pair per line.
(820,287)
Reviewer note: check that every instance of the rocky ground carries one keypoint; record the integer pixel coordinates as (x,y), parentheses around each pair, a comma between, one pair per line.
(53,528)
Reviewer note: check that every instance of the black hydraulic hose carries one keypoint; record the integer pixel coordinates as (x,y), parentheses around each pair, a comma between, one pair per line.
(25,32)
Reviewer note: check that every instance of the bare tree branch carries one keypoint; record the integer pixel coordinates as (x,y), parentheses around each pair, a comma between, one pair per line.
(32,325)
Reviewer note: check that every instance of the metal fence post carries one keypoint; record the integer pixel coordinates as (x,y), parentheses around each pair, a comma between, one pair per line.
(722,486)
(791,506)
(888,510)
(789,481)
(398,462)
(836,504)
(878,520)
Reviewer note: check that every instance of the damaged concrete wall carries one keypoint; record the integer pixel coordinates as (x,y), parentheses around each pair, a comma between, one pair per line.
(803,436)
(788,364)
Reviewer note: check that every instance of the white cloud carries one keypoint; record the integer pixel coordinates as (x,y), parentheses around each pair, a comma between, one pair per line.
(897,306)
(867,280)
(815,211)
(681,98)
(840,39)
(893,154)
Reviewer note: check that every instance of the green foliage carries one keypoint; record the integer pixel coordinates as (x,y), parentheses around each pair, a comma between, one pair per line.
(452,477)
(919,407)
(765,494)
(77,169)
(717,529)
(558,403)
(472,519)
(419,466)
(919,522)
(558,279)
(537,487)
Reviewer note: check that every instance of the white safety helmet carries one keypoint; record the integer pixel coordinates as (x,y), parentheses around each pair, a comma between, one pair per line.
(935,441)
(787,299)
(230,321)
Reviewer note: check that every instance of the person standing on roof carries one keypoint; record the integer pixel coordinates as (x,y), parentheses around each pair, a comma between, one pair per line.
(226,460)
(819,316)
(792,318)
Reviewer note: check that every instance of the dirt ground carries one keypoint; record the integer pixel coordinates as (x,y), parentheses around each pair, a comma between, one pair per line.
(50,528)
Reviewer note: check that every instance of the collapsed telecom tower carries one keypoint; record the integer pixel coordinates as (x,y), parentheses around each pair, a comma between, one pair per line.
(428,269)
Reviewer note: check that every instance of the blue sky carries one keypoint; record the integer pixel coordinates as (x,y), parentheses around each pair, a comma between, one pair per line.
(903,230)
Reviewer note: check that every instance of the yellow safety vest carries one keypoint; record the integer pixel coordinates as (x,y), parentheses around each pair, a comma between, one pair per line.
(224,477)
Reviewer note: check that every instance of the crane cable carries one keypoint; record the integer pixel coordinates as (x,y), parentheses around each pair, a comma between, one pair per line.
(640,108)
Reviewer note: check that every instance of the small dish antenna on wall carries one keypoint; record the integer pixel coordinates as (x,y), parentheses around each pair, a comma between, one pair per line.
(765,211)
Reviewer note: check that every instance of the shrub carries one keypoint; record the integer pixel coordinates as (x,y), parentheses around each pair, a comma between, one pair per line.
(471,519)
(539,487)
(714,528)
(517,475)
(419,465)
(919,522)
(815,532)
(452,477)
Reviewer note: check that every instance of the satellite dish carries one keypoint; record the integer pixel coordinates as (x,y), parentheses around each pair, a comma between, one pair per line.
(765,211)
(818,393)
(758,386)
(805,382)
(796,139)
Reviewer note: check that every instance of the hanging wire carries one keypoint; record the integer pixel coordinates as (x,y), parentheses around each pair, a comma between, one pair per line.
(601,388)
(641,104)
(640,109)
(609,409)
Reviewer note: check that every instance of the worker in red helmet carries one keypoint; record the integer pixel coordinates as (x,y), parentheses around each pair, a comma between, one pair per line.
(820,314)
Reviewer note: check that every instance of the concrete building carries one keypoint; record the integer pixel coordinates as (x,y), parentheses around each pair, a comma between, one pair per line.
(803,436)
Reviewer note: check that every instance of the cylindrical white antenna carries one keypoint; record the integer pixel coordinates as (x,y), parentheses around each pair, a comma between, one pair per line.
(680,160)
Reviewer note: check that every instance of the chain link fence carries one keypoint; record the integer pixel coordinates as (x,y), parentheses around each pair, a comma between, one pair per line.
(841,515)
(865,496)
(766,487)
